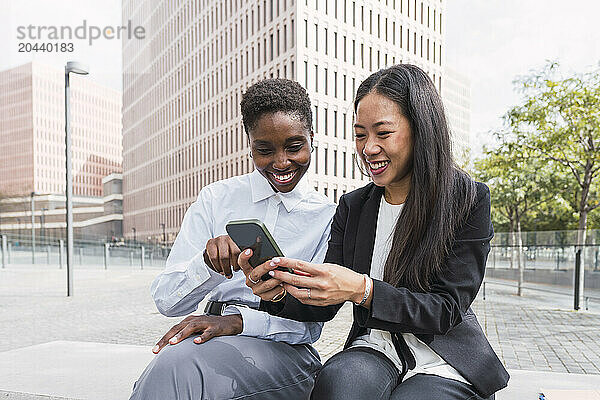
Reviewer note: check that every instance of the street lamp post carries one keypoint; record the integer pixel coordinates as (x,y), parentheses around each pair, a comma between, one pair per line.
(32,228)
(42,228)
(76,68)
(164,238)
(19,229)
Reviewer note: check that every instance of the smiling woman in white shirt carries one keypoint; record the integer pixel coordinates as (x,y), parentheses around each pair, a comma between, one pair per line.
(233,350)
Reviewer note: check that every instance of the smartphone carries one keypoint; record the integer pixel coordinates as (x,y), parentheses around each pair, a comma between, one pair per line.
(253,234)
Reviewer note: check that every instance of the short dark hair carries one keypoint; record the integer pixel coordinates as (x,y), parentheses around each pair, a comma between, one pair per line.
(275,95)
(440,195)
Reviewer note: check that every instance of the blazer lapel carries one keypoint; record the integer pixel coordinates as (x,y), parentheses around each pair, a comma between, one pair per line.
(365,231)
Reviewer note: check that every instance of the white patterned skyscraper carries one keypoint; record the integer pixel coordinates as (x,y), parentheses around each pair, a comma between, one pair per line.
(182,86)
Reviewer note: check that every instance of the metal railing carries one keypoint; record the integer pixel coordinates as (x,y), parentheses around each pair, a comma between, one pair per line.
(51,252)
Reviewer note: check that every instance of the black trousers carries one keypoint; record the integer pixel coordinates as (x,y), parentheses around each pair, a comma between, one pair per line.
(364,373)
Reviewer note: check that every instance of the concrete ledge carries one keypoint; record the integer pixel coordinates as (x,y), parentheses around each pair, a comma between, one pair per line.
(71,370)
(555,386)
(64,370)
(27,396)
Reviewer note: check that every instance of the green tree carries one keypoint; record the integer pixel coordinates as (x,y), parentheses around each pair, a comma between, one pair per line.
(519,183)
(559,121)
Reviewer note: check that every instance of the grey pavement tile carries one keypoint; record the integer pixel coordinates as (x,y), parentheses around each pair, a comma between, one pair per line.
(114,306)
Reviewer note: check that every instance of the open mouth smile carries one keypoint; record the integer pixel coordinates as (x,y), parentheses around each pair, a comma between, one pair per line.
(378,167)
(285,178)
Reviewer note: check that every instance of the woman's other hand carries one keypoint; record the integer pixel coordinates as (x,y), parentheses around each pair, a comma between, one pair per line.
(221,255)
(269,290)
(320,284)
(209,325)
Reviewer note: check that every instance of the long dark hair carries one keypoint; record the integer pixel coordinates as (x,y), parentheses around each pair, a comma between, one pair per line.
(440,195)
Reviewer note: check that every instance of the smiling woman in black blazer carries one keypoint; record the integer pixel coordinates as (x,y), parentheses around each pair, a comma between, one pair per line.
(409,249)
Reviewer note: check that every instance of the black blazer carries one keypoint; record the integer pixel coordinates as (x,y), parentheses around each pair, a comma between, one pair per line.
(441,318)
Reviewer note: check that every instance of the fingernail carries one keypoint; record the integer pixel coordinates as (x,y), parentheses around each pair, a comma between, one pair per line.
(247,252)
(271,273)
(276,259)
(173,340)
(198,340)
(272,264)
(155,349)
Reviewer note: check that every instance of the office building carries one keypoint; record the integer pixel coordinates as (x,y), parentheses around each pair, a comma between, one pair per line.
(32,132)
(456,94)
(183,83)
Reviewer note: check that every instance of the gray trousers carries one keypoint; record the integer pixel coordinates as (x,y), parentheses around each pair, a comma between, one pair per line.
(229,367)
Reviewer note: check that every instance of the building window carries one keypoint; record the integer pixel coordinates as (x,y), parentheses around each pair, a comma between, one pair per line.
(325,161)
(326,45)
(316,159)
(335,85)
(325,120)
(316,37)
(335,43)
(325,81)
(344,124)
(362,18)
(306,74)
(306,33)
(344,164)
(334,162)
(316,128)
(362,55)
(335,124)
(316,79)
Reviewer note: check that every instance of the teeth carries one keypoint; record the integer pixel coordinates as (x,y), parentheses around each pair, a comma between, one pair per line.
(378,165)
(284,177)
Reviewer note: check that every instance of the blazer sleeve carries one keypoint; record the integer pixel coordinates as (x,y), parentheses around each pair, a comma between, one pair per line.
(397,309)
(292,308)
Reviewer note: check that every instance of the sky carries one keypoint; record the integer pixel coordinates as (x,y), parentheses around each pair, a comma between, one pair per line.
(490,41)
(103,57)
(493,42)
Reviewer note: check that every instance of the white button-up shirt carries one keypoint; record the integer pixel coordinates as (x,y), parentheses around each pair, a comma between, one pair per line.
(299,221)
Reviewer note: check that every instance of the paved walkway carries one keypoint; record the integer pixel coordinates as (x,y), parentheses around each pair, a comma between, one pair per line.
(534,332)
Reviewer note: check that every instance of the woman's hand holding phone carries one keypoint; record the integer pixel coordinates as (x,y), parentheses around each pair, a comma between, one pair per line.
(320,284)
(221,255)
(266,290)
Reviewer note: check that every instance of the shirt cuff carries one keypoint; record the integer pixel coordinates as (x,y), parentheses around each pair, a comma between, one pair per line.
(198,272)
(254,322)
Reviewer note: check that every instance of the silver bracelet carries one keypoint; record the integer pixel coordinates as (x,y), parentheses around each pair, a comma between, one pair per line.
(367,290)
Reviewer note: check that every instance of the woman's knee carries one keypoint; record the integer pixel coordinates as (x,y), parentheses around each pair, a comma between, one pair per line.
(354,375)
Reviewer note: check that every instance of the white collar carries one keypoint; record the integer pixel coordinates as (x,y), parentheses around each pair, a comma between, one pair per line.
(262,189)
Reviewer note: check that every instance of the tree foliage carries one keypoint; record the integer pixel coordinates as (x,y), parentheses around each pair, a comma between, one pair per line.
(559,122)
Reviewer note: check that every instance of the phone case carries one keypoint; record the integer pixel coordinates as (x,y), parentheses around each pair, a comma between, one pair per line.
(252,237)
